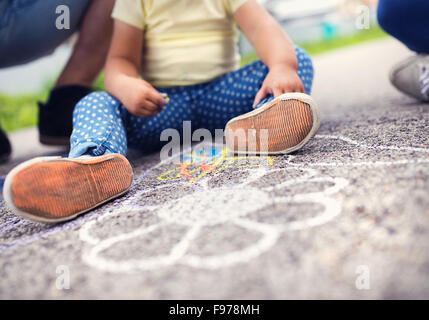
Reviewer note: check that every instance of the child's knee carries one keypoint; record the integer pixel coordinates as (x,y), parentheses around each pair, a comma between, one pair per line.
(100,97)
(93,100)
(96,99)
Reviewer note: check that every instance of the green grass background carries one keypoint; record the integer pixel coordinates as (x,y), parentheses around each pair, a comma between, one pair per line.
(21,111)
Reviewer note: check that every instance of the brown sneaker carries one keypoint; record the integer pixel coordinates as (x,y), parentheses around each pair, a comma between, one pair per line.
(280,126)
(54,189)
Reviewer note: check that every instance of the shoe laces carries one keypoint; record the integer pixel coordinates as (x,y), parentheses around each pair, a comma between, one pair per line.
(424,79)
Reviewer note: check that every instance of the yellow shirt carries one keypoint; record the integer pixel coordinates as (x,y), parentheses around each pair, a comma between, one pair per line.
(185,41)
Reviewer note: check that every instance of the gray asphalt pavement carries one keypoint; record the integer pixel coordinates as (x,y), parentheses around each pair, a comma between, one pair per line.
(345,217)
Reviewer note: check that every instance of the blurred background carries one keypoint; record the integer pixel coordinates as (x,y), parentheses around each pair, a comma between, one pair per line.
(318,26)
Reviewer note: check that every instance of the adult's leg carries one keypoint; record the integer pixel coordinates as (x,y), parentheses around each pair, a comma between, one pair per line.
(85,63)
(90,51)
(28,30)
(407,21)
(233,94)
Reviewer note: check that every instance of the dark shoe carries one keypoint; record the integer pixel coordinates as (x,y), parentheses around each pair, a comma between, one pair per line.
(56,115)
(5,148)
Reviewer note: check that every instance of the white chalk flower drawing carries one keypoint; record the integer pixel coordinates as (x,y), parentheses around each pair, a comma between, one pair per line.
(204,206)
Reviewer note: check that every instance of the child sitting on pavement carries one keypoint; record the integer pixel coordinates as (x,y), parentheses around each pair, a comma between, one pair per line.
(186,50)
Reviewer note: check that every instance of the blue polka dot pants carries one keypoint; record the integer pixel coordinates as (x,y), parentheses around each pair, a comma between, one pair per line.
(102,125)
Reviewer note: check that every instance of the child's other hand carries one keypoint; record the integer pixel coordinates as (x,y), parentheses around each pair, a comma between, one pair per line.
(142,99)
(279,80)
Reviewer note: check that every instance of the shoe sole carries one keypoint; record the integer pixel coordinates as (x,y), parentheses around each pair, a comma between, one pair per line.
(54,189)
(54,141)
(291,120)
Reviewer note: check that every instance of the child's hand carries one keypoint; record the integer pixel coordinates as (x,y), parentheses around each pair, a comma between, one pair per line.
(278,81)
(141,99)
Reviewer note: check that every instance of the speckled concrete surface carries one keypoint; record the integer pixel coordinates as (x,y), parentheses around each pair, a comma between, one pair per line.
(299,226)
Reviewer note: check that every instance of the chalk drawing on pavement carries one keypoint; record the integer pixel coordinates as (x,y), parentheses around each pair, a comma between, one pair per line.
(205,206)
(329,203)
